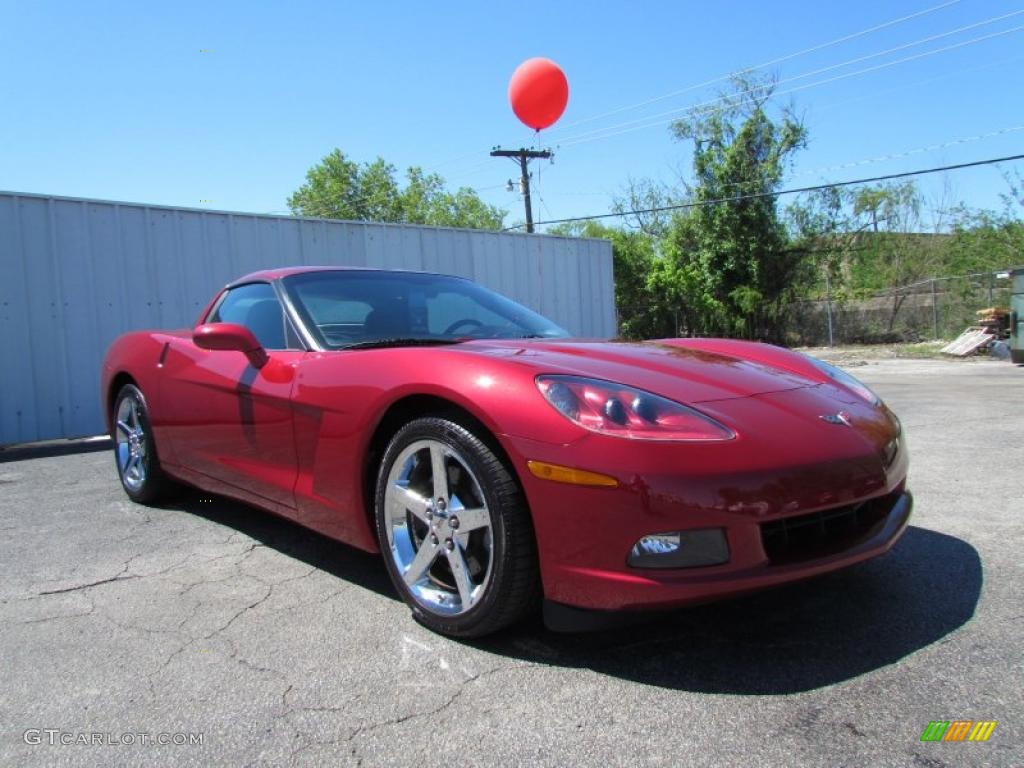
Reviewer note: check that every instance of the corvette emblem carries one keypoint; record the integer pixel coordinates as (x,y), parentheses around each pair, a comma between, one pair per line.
(842,418)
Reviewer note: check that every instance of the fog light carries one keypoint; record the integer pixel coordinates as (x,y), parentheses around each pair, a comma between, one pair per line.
(684,549)
(658,544)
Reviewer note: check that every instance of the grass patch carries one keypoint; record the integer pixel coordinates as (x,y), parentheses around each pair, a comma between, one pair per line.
(918,351)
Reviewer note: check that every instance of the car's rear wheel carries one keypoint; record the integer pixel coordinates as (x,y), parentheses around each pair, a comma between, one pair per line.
(138,465)
(455,530)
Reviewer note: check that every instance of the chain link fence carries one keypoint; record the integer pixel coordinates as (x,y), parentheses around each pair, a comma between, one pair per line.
(935,308)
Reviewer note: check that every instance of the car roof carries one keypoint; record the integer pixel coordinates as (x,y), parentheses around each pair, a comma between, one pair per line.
(279,272)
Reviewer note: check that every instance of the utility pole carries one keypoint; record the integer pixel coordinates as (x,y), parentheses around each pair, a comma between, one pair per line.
(524,155)
(828,307)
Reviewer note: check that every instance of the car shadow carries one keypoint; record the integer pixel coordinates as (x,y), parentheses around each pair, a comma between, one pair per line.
(790,639)
(291,539)
(784,640)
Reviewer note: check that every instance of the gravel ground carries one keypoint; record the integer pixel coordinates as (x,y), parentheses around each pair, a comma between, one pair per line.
(279,647)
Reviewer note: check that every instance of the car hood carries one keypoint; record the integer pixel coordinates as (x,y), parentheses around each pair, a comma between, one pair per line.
(685,375)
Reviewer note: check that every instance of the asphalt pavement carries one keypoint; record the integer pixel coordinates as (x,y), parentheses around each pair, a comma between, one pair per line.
(242,639)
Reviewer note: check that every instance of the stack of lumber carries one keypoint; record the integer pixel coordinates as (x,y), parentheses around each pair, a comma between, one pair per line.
(993,324)
(996,320)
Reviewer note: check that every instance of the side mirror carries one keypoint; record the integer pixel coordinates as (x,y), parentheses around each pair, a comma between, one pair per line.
(232,337)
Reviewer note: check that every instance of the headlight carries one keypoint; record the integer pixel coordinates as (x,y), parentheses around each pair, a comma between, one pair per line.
(892,448)
(848,381)
(615,409)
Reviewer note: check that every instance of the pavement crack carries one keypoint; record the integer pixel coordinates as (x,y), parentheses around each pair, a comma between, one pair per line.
(238,614)
(270,587)
(90,612)
(440,708)
(270,590)
(122,576)
(128,627)
(852,728)
(364,729)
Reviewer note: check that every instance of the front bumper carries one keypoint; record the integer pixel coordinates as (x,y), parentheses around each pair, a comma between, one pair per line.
(606,591)
(585,534)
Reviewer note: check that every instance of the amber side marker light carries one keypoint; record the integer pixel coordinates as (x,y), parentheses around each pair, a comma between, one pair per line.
(561,474)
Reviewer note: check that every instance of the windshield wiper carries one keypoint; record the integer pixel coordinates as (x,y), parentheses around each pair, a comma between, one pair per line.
(400,342)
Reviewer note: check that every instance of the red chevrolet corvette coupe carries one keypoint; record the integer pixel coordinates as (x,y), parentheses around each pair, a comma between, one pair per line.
(495,461)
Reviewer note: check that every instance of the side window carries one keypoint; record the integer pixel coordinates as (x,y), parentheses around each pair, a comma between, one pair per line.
(256,307)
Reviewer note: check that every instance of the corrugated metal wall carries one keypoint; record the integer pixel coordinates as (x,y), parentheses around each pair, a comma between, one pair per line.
(75,273)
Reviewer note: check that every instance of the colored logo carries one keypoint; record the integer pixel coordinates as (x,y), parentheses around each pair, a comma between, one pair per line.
(842,418)
(958,730)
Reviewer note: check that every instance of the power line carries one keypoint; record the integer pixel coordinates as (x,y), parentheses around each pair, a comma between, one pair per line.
(832,105)
(722,78)
(796,190)
(457,158)
(770,63)
(958,71)
(471,170)
(808,85)
(909,152)
(709,105)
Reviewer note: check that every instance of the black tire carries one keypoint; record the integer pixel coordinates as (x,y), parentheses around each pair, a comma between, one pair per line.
(513,588)
(155,486)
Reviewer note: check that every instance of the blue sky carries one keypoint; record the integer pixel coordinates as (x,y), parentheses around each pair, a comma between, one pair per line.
(120,101)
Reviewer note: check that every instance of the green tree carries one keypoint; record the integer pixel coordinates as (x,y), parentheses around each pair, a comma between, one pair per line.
(864,241)
(990,240)
(641,206)
(984,241)
(729,264)
(340,188)
(891,248)
(816,226)
(641,310)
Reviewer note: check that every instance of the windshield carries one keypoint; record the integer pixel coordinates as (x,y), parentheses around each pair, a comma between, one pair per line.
(368,308)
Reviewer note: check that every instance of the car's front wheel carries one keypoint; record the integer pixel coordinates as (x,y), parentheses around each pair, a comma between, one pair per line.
(138,465)
(455,530)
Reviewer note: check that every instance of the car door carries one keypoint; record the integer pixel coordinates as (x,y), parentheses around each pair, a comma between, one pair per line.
(226,419)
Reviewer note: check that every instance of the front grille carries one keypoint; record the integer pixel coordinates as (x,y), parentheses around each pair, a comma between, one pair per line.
(819,534)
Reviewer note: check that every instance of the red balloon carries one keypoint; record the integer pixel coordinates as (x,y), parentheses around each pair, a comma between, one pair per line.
(538,92)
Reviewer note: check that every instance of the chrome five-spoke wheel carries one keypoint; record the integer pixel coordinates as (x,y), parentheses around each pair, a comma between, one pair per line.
(135,451)
(455,530)
(131,444)
(438,527)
